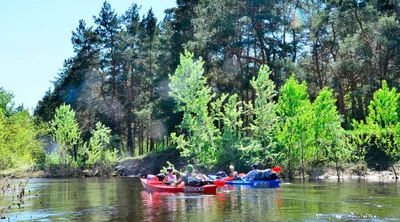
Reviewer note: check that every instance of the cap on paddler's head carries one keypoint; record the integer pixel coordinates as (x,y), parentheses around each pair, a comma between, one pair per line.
(169,169)
(189,168)
(254,165)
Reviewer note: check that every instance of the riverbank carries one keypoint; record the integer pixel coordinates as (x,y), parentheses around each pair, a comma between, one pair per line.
(23,173)
(150,164)
(153,162)
(353,171)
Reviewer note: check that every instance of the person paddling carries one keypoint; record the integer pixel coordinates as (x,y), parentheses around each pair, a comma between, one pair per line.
(253,173)
(192,179)
(232,172)
(185,177)
(170,178)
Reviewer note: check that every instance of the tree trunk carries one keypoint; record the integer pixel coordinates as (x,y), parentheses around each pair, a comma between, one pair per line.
(129,142)
(337,169)
(316,62)
(120,146)
(342,108)
(302,161)
(294,46)
(113,79)
(152,143)
(289,164)
(167,141)
(75,152)
(360,108)
(290,161)
(356,100)
(284,41)
(130,117)
(147,141)
(140,138)
(151,140)
(134,135)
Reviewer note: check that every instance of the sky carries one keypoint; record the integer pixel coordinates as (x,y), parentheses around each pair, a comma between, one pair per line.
(36,39)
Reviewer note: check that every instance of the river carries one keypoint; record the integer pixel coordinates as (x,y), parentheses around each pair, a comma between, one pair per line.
(124,199)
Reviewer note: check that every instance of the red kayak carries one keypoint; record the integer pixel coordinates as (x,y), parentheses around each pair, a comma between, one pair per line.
(159,186)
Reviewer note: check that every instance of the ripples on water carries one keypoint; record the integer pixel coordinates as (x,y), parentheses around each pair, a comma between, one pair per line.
(124,199)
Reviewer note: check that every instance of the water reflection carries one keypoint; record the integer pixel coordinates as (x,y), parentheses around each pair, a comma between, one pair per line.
(155,207)
(124,199)
(159,206)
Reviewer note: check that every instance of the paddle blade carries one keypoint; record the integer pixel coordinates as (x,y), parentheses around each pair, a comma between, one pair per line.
(219,183)
(276,169)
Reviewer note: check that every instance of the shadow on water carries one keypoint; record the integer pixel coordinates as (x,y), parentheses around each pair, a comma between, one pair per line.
(124,199)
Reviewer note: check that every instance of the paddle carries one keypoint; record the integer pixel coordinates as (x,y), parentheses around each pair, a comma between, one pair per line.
(276,169)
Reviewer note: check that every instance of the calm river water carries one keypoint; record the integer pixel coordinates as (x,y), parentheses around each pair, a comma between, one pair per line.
(124,199)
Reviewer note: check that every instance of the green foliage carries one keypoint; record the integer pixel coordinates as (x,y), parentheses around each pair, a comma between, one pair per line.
(384,109)
(265,109)
(53,160)
(18,136)
(60,164)
(329,136)
(252,151)
(188,84)
(292,97)
(100,139)
(193,97)
(174,171)
(230,117)
(216,110)
(5,102)
(358,140)
(310,134)
(261,145)
(296,120)
(65,129)
(96,154)
(118,76)
(328,133)
(98,151)
(382,123)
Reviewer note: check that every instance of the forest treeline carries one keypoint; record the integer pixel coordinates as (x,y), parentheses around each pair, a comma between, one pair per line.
(125,75)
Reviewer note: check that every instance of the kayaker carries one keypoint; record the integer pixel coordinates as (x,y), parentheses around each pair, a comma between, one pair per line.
(185,177)
(253,173)
(170,178)
(232,172)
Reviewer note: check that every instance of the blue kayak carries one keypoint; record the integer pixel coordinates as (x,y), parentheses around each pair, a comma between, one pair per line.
(254,183)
